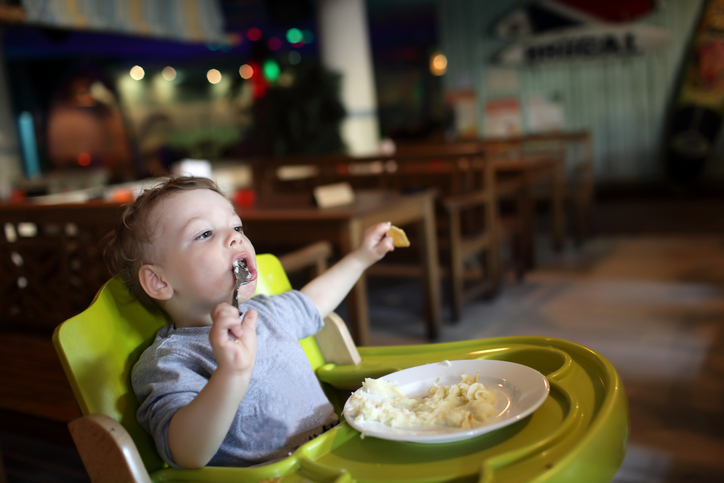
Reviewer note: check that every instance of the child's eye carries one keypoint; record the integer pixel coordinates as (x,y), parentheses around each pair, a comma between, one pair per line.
(205,234)
(239,228)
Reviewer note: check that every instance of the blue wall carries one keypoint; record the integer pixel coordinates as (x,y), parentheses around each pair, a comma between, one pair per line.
(624,102)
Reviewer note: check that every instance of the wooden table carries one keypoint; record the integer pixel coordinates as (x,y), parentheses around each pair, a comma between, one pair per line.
(294,217)
(531,170)
(515,172)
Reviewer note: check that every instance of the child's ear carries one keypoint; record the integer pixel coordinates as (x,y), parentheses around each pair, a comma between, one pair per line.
(153,283)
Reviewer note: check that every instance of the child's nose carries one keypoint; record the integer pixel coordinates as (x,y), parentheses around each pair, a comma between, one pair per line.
(235,238)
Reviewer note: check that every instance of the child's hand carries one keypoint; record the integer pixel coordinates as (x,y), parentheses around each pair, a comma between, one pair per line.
(375,244)
(233,342)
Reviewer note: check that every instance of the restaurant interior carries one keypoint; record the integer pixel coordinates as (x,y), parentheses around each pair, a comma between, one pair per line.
(556,165)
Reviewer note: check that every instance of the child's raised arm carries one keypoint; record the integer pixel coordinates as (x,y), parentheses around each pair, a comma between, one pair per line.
(329,289)
(197,430)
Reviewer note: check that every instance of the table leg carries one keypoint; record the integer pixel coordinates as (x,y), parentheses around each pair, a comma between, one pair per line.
(358,318)
(558,187)
(527,215)
(431,269)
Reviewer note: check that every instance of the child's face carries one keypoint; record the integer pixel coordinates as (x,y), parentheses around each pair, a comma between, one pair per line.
(198,238)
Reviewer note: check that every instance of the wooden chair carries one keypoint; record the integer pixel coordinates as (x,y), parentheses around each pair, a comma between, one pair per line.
(51,262)
(578,434)
(576,150)
(313,258)
(50,269)
(469,231)
(472,226)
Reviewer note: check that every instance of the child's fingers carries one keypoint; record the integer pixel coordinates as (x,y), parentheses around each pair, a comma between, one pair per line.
(388,243)
(225,317)
(381,229)
(377,232)
(233,340)
(247,324)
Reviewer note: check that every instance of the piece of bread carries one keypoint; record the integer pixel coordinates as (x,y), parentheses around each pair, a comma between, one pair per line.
(399,239)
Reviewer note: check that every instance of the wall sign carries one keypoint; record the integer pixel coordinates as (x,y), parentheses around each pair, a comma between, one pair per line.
(567,30)
(584,43)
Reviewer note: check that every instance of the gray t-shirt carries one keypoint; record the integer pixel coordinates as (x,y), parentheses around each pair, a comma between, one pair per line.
(284,405)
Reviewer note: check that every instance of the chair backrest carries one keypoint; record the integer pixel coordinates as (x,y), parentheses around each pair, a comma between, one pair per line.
(98,347)
(51,261)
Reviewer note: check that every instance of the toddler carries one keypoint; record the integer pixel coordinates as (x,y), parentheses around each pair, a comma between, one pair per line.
(216,388)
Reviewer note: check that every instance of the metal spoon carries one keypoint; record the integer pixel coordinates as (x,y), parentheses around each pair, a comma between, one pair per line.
(243,276)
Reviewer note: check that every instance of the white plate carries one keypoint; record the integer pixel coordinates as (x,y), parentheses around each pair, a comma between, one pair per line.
(520,390)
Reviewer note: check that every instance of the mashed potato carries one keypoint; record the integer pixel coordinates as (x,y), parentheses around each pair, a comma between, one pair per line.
(465,405)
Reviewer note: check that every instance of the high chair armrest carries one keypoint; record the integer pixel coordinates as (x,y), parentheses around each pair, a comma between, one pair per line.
(336,343)
(107,450)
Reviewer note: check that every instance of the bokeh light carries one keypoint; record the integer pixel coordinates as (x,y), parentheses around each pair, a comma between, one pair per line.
(168,73)
(438,64)
(271,70)
(137,72)
(274,43)
(84,159)
(246,71)
(253,34)
(213,76)
(294,36)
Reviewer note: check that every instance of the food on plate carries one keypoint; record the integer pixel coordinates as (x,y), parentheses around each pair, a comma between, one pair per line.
(399,238)
(467,404)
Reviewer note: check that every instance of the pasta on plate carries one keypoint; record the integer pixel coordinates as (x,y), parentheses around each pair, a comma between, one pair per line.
(466,405)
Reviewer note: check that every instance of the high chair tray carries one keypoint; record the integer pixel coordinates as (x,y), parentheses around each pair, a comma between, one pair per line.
(579,433)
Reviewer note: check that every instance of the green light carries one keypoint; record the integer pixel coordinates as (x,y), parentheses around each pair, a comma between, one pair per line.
(271,70)
(308,36)
(294,36)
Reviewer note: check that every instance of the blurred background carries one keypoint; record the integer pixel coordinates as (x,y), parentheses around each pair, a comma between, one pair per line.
(98,96)
(148,85)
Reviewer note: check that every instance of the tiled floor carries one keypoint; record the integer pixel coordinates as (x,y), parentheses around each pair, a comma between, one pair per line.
(652,304)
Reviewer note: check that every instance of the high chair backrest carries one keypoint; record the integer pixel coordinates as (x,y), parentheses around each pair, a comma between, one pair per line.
(99,346)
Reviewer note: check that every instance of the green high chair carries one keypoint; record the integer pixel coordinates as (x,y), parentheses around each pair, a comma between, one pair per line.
(578,434)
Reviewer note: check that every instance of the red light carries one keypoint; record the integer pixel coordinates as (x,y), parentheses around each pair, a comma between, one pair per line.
(84,159)
(253,34)
(274,43)
(244,197)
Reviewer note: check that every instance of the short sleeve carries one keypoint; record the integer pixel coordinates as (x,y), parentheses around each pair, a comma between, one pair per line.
(164,381)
